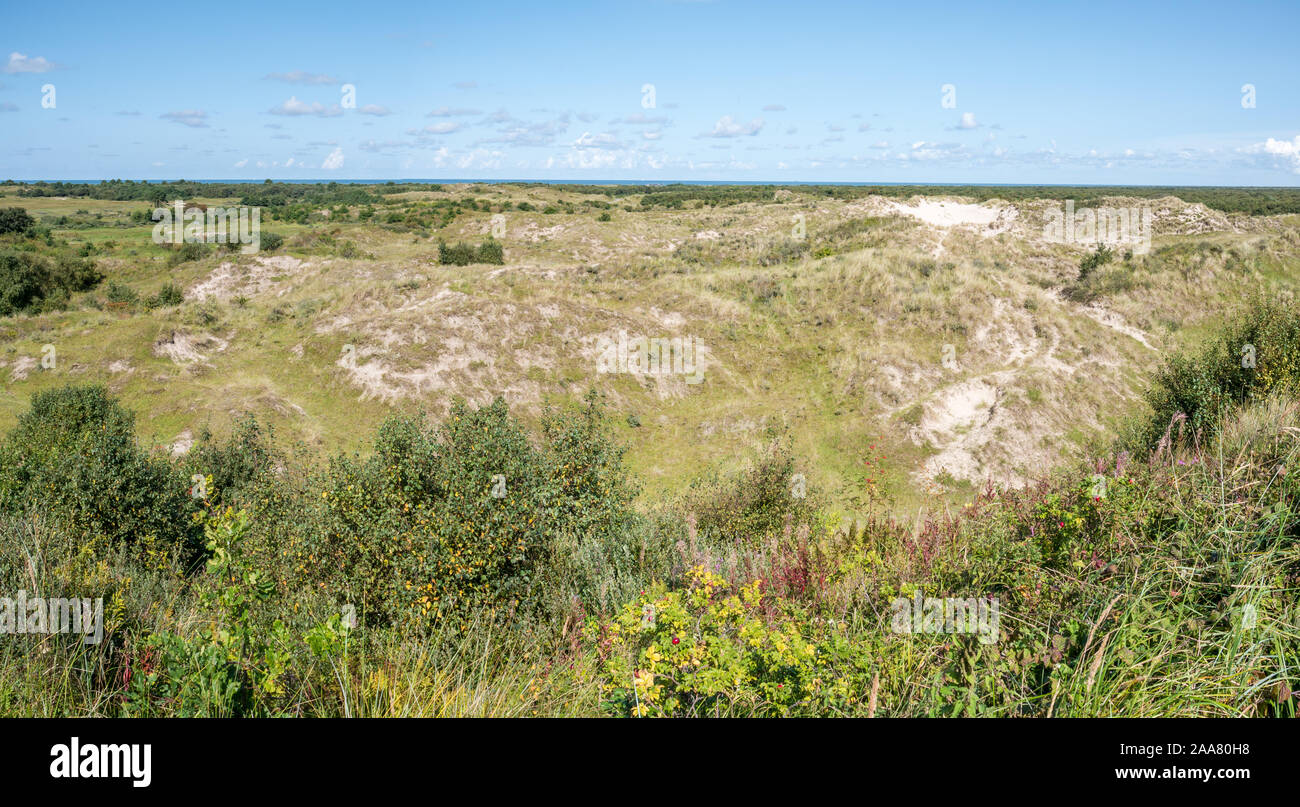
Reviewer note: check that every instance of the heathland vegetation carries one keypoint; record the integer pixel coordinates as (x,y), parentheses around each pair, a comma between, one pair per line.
(580,544)
(464,568)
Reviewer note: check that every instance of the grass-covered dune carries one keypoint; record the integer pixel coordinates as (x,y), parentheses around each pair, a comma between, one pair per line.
(912,342)
(472,565)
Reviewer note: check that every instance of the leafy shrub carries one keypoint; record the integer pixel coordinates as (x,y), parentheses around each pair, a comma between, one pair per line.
(21,279)
(752,503)
(231,467)
(74,453)
(459,255)
(1101,256)
(189,251)
(596,551)
(270,242)
(238,664)
(170,294)
(1254,354)
(121,293)
(15,220)
(490,251)
(29,282)
(449,525)
(705,651)
(462,254)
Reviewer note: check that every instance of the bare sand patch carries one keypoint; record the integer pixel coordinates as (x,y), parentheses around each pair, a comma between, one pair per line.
(182,348)
(232,279)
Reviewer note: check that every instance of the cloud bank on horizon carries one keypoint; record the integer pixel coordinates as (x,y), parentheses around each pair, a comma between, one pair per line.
(659,91)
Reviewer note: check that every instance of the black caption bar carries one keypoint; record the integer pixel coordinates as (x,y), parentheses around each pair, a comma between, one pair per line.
(300,757)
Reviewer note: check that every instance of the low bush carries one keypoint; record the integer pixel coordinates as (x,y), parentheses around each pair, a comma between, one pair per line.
(169,295)
(15,220)
(73,453)
(462,254)
(31,283)
(1256,354)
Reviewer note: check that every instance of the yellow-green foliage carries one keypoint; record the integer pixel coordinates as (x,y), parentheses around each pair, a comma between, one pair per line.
(706,650)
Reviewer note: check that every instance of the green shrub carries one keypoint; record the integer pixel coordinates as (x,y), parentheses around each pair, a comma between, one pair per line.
(239,664)
(29,282)
(231,467)
(705,652)
(73,453)
(1101,256)
(1254,354)
(121,293)
(459,255)
(270,242)
(21,277)
(189,251)
(462,254)
(448,525)
(15,220)
(169,295)
(752,503)
(490,251)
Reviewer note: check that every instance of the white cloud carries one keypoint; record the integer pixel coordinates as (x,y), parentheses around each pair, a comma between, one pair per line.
(597,141)
(293,107)
(193,118)
(242,163)
(334,161)
(375,109)
(449,112)
(1281,151)
(437,128)
(726,127)
(480,158)
(18,63)
(518,133)
(967,121)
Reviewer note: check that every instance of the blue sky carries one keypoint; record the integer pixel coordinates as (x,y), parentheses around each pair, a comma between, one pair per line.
(1094,92)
